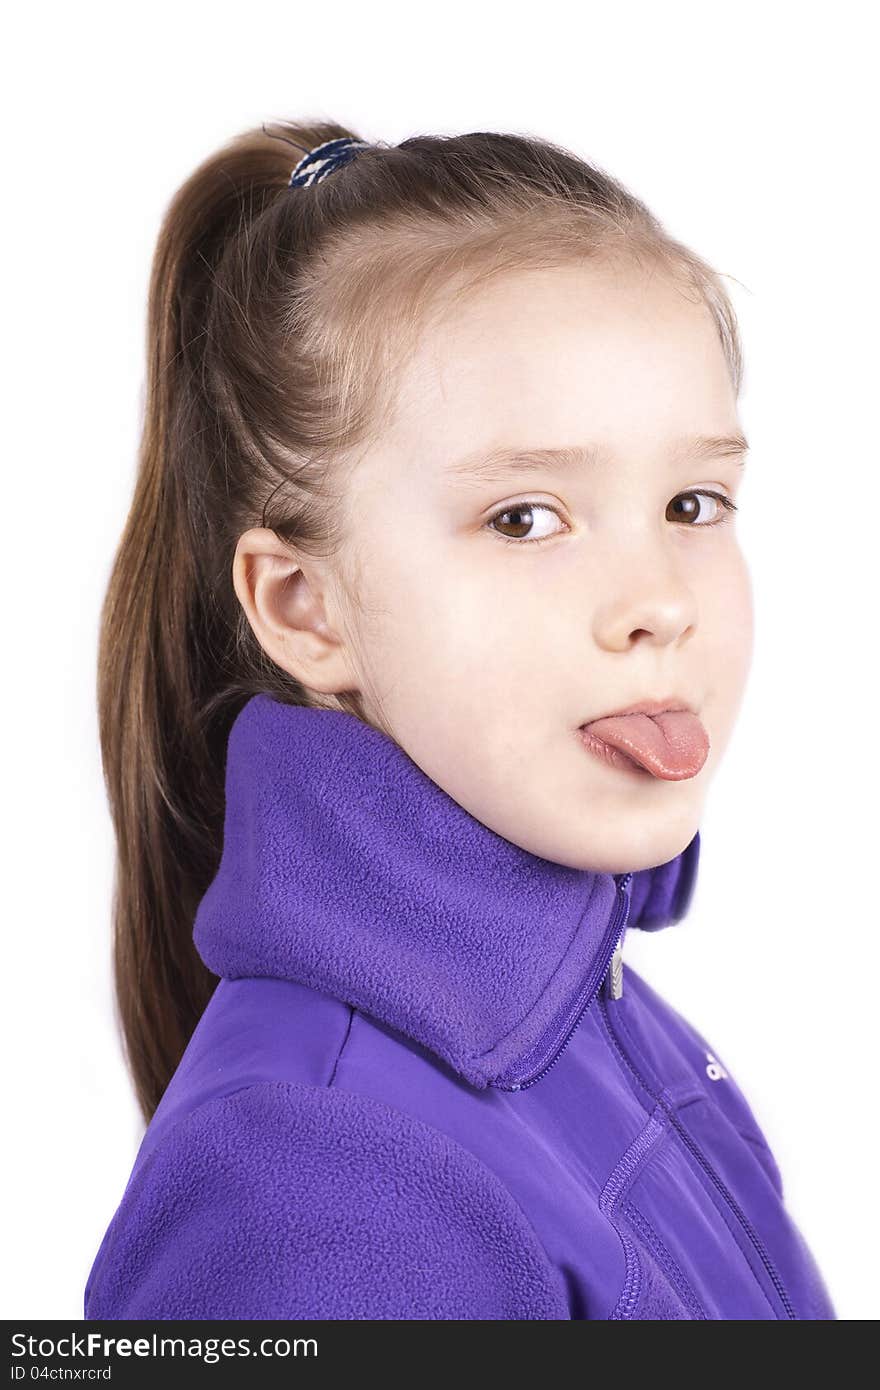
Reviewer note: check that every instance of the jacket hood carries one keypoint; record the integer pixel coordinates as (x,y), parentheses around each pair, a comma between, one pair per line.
(347,869)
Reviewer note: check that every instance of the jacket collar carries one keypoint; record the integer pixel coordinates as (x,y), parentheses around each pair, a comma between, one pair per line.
(347,869)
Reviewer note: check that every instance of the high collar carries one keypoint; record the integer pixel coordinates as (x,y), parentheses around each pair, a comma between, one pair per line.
(346,868)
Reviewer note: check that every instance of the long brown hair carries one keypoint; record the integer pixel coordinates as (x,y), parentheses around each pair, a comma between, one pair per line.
(276,318)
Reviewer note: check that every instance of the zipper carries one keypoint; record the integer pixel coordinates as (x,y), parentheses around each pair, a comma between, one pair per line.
(556,1037)
(691,1144)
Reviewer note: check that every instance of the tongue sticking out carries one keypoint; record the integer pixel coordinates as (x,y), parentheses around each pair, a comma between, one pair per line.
(672,745)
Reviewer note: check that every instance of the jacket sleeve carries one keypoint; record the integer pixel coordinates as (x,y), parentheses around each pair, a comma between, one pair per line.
(284,1200)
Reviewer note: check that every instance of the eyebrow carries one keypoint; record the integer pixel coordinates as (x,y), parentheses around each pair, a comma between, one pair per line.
(498,463)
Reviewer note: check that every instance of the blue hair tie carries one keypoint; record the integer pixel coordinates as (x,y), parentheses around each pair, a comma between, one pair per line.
(323,159)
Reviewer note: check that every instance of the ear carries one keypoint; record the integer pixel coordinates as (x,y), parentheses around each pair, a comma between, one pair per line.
(284,595)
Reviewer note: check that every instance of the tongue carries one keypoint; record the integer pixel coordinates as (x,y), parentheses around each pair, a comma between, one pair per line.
(672,745)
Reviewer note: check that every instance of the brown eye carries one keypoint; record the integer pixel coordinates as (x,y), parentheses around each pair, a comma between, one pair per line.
(522,519)
(690,508)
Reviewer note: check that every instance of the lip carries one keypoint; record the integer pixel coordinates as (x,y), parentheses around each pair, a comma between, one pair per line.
(669,702)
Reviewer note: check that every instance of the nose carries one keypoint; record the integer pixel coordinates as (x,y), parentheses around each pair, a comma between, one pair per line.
(654,604)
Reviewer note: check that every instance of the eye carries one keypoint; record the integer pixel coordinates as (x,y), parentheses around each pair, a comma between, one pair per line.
(686,507)
(523,514)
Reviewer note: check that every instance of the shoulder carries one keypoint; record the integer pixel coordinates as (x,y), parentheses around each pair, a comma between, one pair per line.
(286,1200)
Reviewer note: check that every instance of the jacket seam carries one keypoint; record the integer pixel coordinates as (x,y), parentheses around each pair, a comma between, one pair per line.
(755,1139)
(664,1257)
(341,1048)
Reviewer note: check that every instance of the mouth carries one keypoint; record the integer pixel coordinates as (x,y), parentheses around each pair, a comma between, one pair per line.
(665,738)
(667,704)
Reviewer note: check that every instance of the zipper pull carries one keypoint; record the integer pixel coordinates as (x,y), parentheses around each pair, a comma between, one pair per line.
(614,978)
(614,986)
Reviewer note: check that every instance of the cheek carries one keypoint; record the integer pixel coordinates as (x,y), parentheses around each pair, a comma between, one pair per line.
(738,605)
(727,614)
(446,640)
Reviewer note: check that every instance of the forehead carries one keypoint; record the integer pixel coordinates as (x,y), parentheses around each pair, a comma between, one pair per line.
(551,357)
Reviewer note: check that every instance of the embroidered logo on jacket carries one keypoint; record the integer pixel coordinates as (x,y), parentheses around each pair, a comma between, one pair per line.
(715,1070)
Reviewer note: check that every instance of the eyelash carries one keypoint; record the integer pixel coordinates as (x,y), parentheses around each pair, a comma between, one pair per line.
(728,508)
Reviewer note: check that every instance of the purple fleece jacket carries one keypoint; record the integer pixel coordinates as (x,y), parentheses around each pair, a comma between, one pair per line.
(426,1088)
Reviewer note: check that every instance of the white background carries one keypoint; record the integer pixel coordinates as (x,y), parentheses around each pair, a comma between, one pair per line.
(751,132)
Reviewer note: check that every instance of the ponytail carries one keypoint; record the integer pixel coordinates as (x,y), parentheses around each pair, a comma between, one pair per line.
(169,683)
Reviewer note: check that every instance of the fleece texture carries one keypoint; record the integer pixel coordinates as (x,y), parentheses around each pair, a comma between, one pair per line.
(419,1090)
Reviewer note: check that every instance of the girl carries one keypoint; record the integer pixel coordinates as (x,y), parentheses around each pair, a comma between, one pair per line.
(412,685)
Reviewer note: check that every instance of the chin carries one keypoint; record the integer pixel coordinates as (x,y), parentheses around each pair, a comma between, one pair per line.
(628,854)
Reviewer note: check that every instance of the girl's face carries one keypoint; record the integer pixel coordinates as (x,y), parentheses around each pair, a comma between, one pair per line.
(483,645)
